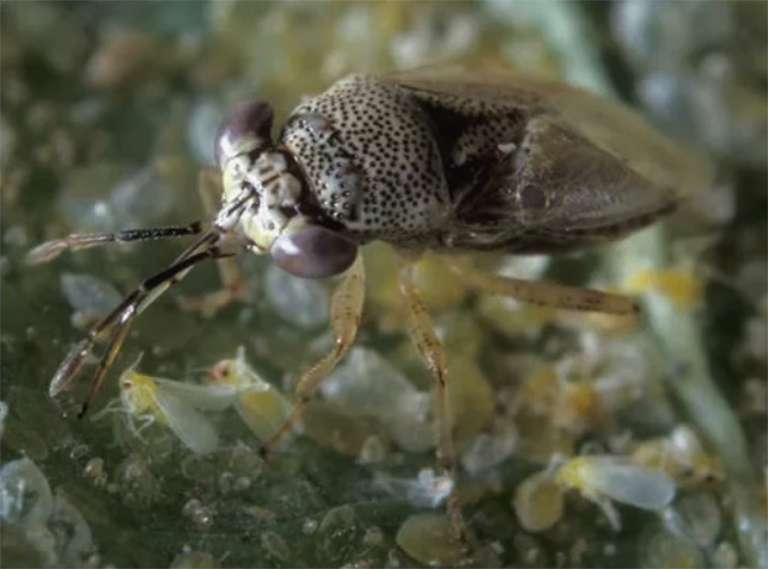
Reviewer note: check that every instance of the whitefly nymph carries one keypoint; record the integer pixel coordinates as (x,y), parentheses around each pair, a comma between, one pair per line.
(442,159)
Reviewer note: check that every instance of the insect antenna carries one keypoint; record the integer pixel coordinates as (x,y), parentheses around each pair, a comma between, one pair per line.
(49,250)
(122,317)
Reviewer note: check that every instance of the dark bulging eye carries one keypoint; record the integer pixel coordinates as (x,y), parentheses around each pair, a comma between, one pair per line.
(247,119)
(314,253)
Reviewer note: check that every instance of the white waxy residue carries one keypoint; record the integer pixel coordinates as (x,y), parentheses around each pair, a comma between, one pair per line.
(426,491)
(302,302)
(370,386)
(51,524)
(87,293)
(488,450)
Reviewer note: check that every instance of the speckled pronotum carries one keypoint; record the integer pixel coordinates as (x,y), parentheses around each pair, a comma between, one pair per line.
(447,160)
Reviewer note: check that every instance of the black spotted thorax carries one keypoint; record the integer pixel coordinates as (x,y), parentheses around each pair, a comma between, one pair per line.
(370,159)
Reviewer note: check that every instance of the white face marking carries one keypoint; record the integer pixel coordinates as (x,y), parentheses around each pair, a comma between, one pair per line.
(276,189)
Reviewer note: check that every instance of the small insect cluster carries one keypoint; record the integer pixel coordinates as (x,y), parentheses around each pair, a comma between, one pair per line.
(145,401)
(579,399)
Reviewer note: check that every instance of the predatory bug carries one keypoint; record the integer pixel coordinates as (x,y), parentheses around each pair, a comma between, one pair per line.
(449,160)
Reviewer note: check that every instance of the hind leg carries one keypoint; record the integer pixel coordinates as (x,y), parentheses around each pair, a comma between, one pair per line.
(543,293)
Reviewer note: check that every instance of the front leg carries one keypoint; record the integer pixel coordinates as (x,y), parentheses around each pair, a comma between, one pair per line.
(431,350)
(232,281)
(346,311)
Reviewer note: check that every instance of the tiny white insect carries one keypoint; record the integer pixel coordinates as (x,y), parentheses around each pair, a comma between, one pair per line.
(171,403)
(259,405)
(603,479)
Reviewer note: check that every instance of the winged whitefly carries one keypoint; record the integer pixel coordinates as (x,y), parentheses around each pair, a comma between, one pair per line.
(151,399)
(630,484)
(605,478)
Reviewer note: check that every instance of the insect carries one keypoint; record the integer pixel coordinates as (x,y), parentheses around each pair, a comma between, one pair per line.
(682,456)
(603,479)
(259,405)
(538,502)
(444,159)
(149,400)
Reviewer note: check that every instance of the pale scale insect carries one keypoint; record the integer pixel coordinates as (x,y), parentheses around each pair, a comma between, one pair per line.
(538,502)
(446,159)
(603,479)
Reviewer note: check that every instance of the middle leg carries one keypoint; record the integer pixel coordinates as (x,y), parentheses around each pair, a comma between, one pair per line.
(431,350)
(232,282)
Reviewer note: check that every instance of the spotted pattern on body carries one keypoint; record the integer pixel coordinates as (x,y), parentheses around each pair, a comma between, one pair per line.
(482,128)
(371,159)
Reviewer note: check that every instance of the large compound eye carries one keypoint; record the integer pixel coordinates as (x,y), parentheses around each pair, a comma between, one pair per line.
(247,127)
(314,252)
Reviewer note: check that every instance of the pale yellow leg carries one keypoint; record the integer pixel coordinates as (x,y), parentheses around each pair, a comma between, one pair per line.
(431,350)
(543,293)
(346,311)
(232,282)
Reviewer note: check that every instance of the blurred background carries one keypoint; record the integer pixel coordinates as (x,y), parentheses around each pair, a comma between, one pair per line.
(107,113)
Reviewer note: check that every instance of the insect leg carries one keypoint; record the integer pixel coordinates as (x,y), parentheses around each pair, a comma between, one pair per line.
(232,282)
(431,350)
(51,249)
(146,422)
(606,506)
(346,310)
(544,293)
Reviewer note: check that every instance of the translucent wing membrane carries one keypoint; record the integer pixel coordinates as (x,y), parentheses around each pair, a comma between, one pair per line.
(632,485)
(191,426)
